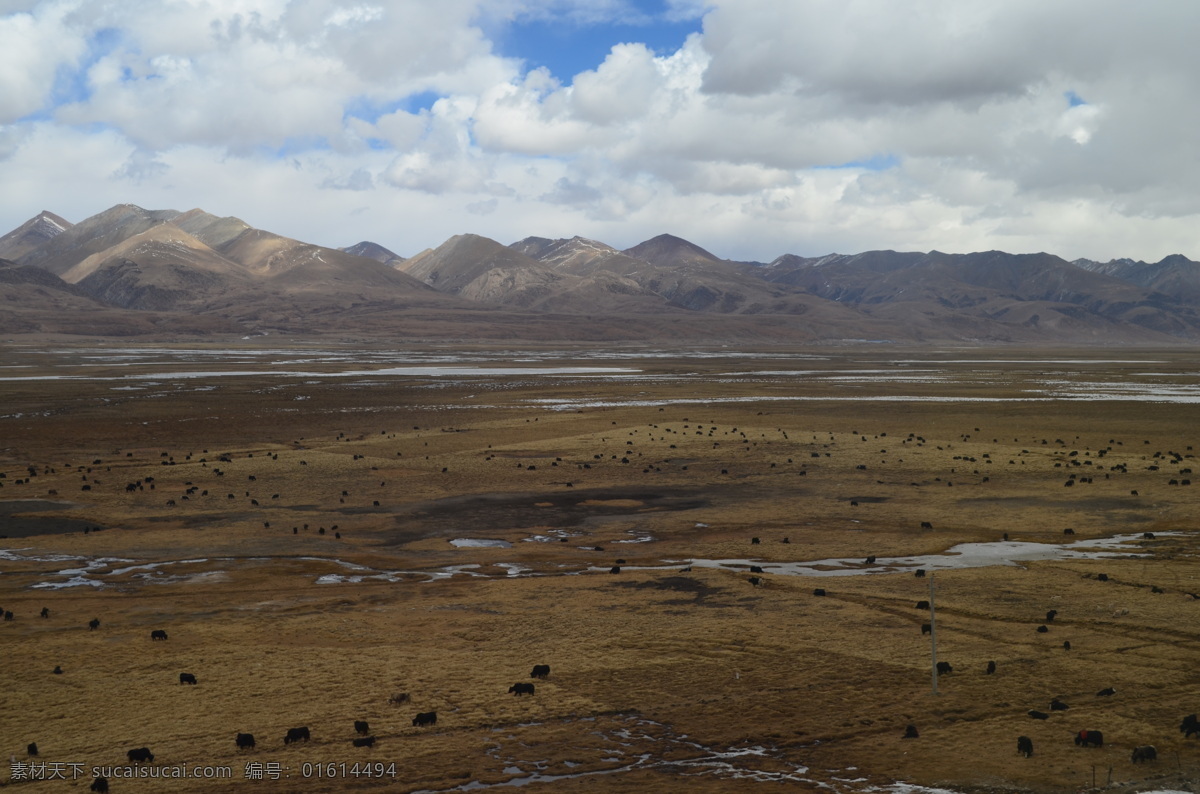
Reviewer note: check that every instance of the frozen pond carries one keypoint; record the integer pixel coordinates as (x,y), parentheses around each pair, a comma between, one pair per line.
(641,744)
(99,572)
(411,372)
(480,543)
(964,555)
(761,376)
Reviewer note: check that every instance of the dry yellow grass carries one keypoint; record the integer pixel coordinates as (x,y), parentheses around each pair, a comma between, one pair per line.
(662,679)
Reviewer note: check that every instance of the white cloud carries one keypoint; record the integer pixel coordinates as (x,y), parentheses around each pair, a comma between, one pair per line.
(782,127)
(34,44)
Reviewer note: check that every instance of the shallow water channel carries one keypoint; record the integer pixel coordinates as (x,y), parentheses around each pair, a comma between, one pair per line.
(629,744)
(101,571)
(964,555)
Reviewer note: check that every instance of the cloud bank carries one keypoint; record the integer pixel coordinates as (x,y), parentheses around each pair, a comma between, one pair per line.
(806,127)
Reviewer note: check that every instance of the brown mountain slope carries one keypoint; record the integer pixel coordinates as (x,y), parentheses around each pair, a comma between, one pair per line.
(213,231)
(1175,275)
(312,268)
(580,256)
(93,235)
(162,243)
(1022,291)
(34,233)
(35,301)
(667,250)
(373,251)
(164,260)
(683,275)
(463,258)
(161,268)
(207,272)
(288,265)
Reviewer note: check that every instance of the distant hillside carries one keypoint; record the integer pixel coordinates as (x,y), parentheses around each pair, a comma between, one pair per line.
(373,251)
(132,271)
(34,233)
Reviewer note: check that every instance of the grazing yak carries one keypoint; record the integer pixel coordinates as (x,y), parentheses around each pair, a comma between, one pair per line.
(991,667)
(910,732)
(1025,746)
(1103,693)
(1089,738)
(31,748)
(245,741)
(540,671)
(820,591)
(100,785)
(1038,715)
(926,628)
(1144,753)
(158,634)
(140,754)
(363,741)
(425,718)
(756,569)
(521,688)
(94,624)
(922,605)
(187,678)
(1189,726)
(296,734)
(944,667)
(361,727)
(1051,615)
(1058,705)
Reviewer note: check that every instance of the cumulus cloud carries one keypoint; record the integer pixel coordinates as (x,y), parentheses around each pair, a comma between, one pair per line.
(359,179)
(140,167)
(35,43)
(786,127)
(483,207)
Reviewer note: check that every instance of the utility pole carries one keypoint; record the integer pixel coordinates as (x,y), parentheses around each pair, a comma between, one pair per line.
(933,635)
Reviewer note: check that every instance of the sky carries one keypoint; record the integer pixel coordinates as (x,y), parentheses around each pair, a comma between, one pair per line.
(754,128)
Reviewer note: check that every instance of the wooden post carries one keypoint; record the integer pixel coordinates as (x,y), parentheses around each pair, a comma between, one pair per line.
(933,636)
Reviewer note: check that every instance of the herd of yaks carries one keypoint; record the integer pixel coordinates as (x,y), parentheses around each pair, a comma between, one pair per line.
(1085,738)
(1145,752)
(246,741)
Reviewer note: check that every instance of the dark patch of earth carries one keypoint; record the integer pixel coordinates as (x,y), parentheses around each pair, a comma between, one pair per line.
(680,584)
(16,521)
(475,513)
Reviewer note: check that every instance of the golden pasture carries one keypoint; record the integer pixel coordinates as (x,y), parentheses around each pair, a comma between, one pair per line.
(308,576)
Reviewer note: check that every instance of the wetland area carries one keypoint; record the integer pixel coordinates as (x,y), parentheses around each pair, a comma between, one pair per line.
(347,532)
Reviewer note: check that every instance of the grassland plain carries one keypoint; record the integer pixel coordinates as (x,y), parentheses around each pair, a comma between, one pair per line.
(290,528)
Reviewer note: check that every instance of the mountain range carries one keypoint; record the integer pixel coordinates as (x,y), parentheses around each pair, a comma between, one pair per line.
(166,274)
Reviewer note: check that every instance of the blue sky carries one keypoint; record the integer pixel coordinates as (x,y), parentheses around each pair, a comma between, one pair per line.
(753,128)
(570,43)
